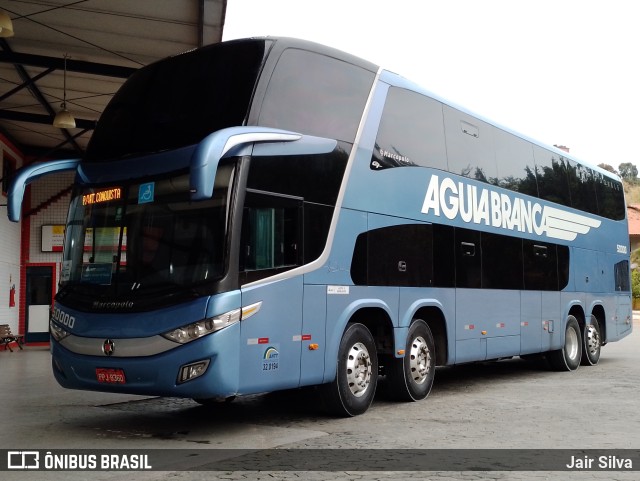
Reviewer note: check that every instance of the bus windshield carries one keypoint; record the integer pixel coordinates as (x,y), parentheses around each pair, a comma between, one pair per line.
(145,236)
(179,101)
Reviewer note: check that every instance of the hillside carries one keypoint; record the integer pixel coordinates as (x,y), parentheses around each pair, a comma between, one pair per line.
(632,192)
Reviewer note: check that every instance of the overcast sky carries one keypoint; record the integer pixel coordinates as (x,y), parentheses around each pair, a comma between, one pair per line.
(560,71)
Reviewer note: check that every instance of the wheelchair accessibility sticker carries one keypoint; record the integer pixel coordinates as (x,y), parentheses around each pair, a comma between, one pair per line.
(146,193)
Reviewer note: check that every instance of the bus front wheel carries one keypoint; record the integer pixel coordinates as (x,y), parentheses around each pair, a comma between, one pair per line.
(352,391)
(411,377)
(568,358)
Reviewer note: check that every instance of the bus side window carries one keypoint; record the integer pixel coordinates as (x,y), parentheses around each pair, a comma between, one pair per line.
(317,95)
(399,255)
(621,270)
(540,266)
(610,195)
(582,187)
(444,256)
(470,146)
(315,178)
(411,132)
(271,235)
(551,172)
(501,262)
(468,259)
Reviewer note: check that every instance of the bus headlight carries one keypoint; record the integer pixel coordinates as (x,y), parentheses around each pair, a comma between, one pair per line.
(204,327)
(57,332)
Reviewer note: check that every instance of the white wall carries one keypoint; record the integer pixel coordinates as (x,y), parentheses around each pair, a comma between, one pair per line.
(55,214)
(9,251)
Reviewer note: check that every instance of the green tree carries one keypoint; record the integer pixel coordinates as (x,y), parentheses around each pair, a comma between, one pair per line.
(628,171)
(635,283)
(609,168)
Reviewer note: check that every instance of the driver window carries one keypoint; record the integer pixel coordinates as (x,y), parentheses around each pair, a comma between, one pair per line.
(271,235)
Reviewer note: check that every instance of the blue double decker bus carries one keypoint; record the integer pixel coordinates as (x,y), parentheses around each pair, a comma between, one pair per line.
(269,213)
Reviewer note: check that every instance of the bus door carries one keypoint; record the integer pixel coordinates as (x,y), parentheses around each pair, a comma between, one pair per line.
(530,322)
(470,321)
(623,314)
(272,321)
(540,312)
(471,301)
(623,300)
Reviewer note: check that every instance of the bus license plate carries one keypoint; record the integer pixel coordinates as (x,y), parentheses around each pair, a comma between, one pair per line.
(110,376)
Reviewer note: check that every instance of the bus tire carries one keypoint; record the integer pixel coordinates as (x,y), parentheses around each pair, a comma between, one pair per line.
(568,358)
(411,377)
(353,390)
(592,342)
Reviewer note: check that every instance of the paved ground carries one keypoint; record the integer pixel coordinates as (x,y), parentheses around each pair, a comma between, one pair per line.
(510,404)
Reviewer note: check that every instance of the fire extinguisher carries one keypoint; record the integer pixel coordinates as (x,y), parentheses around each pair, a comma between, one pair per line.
(12,296)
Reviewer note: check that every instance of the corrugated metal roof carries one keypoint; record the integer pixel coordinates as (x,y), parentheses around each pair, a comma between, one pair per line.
(105,40)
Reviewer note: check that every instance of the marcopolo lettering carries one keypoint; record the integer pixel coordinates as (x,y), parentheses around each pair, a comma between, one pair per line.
(113,304)
(479,205)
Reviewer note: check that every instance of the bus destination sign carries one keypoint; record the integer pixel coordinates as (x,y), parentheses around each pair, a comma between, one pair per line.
(106,195)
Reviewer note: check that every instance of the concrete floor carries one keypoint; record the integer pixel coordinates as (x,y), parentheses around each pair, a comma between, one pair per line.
(492,405)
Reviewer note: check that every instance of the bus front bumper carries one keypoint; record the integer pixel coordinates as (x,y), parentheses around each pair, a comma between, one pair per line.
(192,370)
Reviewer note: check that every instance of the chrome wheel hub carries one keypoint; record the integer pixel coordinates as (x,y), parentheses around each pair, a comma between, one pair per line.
(593,339)
(359,369)
(419,360)
(571,345)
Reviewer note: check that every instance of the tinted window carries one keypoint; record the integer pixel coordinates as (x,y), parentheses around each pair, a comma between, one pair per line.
(514,161)
(540,266)
(563,266)
(551,173)
(621,270)
(394,256)
(317,220)
(468,258)
(315,179)
(411,132)
(582,187)
(501,262)
(178,101)
(610,196)
(469,146)
(271,235)
(316,95)
(444,256)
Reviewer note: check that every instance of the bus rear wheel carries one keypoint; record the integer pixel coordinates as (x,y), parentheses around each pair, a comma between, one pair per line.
(411,377)
(592,343)
(353,390)
(568,358)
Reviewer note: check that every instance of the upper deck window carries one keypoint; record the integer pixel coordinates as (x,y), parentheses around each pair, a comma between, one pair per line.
(316,95)
(416,130)
(411,132)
